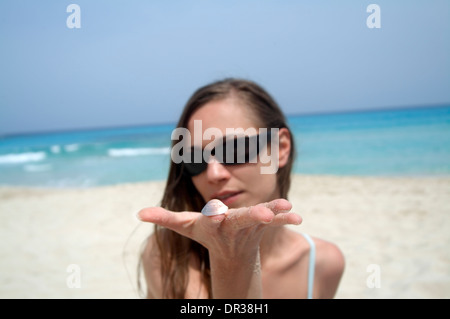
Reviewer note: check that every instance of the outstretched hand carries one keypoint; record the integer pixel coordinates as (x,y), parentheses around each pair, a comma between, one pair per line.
(229,234)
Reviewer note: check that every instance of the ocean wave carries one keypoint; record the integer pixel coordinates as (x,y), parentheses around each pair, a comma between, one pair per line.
(120,152)
(55,149)
(71,147)
(32,168)
(22,157)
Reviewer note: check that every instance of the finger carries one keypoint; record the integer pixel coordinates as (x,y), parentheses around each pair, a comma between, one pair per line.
(278,206)
(286,219)
(181,222)
(259,214)
(249,216)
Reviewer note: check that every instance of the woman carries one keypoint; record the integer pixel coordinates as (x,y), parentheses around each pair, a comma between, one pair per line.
(248,252)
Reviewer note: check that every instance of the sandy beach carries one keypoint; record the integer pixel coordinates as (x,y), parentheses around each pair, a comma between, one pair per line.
(83,243)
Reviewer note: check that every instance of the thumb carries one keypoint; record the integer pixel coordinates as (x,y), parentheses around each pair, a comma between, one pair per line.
(181,222)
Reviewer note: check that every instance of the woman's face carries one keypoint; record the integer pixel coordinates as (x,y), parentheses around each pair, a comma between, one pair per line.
(235,185)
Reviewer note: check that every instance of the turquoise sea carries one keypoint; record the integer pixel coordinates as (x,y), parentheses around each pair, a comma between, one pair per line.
(394,142)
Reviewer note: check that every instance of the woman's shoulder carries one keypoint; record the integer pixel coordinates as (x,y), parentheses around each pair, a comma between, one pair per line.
(153,245)
(329,262)
(150,248)
(329,266)
(327,251)
(151,263)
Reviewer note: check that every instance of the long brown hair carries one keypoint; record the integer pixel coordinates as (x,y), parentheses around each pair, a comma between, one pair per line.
(180,193)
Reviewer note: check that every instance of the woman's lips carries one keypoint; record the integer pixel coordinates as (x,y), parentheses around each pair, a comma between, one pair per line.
(228,198)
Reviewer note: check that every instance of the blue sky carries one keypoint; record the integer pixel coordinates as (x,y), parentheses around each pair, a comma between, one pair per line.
(137,62)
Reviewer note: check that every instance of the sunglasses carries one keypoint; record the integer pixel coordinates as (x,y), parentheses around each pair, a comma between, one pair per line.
(239,150)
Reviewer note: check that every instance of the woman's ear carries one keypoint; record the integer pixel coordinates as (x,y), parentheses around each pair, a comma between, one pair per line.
(284,146)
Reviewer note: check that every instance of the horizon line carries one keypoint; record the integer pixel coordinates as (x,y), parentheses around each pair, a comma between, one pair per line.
(164,123)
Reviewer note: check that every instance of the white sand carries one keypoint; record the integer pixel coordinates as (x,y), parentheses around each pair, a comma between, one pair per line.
(399,226)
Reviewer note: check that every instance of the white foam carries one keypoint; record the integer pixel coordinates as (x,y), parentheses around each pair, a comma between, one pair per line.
(120,152)
(71,147)
(17,158)
(55,149)
(37,167)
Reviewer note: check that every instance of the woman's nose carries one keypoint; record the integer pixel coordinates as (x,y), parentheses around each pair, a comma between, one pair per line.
(216,171)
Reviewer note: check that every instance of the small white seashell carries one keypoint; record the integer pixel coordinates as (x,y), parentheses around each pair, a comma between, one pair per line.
(214,207)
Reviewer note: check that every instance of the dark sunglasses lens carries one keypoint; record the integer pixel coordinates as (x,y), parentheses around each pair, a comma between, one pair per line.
(236,151)
(194,169)
(243,150)
(231,152)
(195,164)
